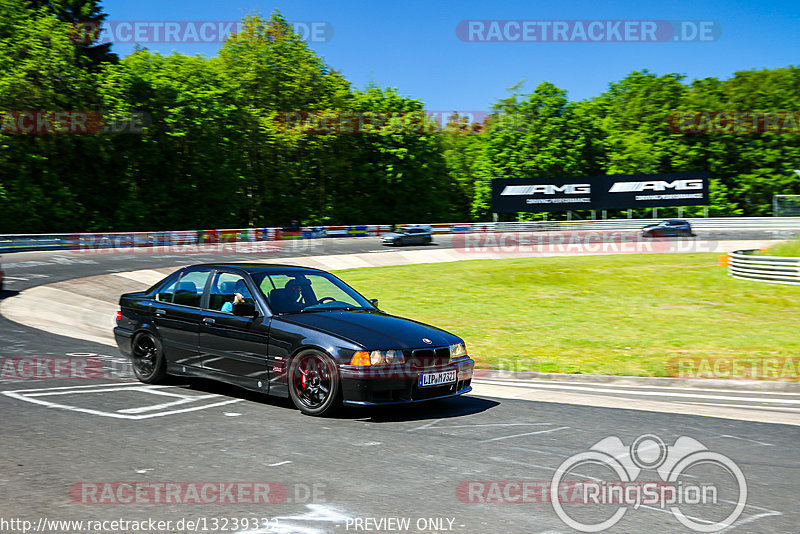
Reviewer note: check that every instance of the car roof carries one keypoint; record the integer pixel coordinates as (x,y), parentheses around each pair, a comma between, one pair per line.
(258,267)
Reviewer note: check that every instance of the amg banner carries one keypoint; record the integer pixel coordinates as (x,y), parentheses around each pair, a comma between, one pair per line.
(617,191)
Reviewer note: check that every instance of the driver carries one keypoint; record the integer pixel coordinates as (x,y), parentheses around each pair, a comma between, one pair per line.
(296,288)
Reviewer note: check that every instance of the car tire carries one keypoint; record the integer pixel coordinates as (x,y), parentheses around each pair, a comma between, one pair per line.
(320,392)
(147,357)
(428,240)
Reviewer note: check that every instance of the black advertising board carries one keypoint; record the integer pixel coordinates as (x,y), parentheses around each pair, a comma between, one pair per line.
(618,191)
(541,194)
(640,191)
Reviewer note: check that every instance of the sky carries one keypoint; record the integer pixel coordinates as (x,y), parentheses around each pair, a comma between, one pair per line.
(415,46)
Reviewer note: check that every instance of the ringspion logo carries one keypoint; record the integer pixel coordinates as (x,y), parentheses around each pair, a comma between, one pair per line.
(689,476)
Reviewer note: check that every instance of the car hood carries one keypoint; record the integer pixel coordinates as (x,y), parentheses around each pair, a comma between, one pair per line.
(650,226)
(373,330)
(391,234)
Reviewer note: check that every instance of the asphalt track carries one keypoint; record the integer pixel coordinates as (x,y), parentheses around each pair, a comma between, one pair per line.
(364,471)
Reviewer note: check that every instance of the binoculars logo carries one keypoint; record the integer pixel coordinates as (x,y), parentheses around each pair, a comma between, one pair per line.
(649,452)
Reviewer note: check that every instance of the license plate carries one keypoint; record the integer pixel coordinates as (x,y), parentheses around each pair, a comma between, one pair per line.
(437,379)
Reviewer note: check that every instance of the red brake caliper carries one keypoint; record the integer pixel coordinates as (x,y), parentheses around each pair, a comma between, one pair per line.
(303,380)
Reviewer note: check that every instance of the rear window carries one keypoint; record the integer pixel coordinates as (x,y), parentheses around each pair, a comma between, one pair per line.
(167,292)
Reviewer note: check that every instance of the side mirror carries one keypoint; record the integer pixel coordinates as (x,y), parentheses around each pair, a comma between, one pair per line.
(245,309)
(374,302)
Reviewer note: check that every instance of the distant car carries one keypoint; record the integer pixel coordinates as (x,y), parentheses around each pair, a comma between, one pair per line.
(670,227)
(409,236)
(287,331)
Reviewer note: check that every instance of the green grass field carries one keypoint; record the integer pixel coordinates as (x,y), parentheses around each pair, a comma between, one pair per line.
(623,314)
(785,248)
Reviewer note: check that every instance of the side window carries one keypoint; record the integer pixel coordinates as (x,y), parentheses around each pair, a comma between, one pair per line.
(274,281)
(167,293)
(224,289)
(189,290)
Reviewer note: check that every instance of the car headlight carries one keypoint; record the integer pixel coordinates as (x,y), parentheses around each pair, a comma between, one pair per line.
(458,350)
(378,357)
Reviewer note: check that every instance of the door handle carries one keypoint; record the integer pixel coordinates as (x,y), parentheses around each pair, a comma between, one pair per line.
(208,320)
(159,313)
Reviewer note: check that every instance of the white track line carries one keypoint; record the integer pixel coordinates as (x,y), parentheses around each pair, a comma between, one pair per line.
(689,393)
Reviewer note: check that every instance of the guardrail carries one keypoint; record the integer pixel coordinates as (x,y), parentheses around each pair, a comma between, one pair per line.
(748,265)
(88,241)
(715,223)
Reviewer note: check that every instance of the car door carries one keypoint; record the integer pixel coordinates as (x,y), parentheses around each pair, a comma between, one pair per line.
(232,345)
(176,316)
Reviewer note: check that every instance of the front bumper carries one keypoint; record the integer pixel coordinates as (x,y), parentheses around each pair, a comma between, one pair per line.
(373,386)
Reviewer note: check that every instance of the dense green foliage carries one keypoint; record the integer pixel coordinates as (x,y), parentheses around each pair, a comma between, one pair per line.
(217,150)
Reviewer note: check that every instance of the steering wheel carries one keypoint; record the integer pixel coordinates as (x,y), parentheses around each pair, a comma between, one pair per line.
(325,299)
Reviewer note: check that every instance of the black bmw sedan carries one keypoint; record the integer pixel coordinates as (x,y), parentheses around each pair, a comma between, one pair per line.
(287,331)
(670,227)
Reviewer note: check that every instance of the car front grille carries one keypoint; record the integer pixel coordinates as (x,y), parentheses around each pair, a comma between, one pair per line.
(428,358)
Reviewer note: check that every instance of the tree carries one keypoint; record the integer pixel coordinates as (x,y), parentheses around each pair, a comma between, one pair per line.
(538,135)
(271,70)
(41,70)
(185,169)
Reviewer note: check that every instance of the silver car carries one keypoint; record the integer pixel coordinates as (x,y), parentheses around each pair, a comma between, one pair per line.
(408,236)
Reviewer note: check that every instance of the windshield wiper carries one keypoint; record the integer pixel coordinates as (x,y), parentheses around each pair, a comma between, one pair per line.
(333,308)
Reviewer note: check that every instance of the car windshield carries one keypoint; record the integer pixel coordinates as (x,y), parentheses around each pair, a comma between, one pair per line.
(298,292)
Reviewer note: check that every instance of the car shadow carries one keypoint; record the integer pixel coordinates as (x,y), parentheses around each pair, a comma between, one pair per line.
(438,409)
(418,245)
(6,293)
(228,390)
(432,410)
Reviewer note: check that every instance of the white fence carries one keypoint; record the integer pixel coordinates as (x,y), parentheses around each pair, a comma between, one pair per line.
(788,226)
(748,265)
